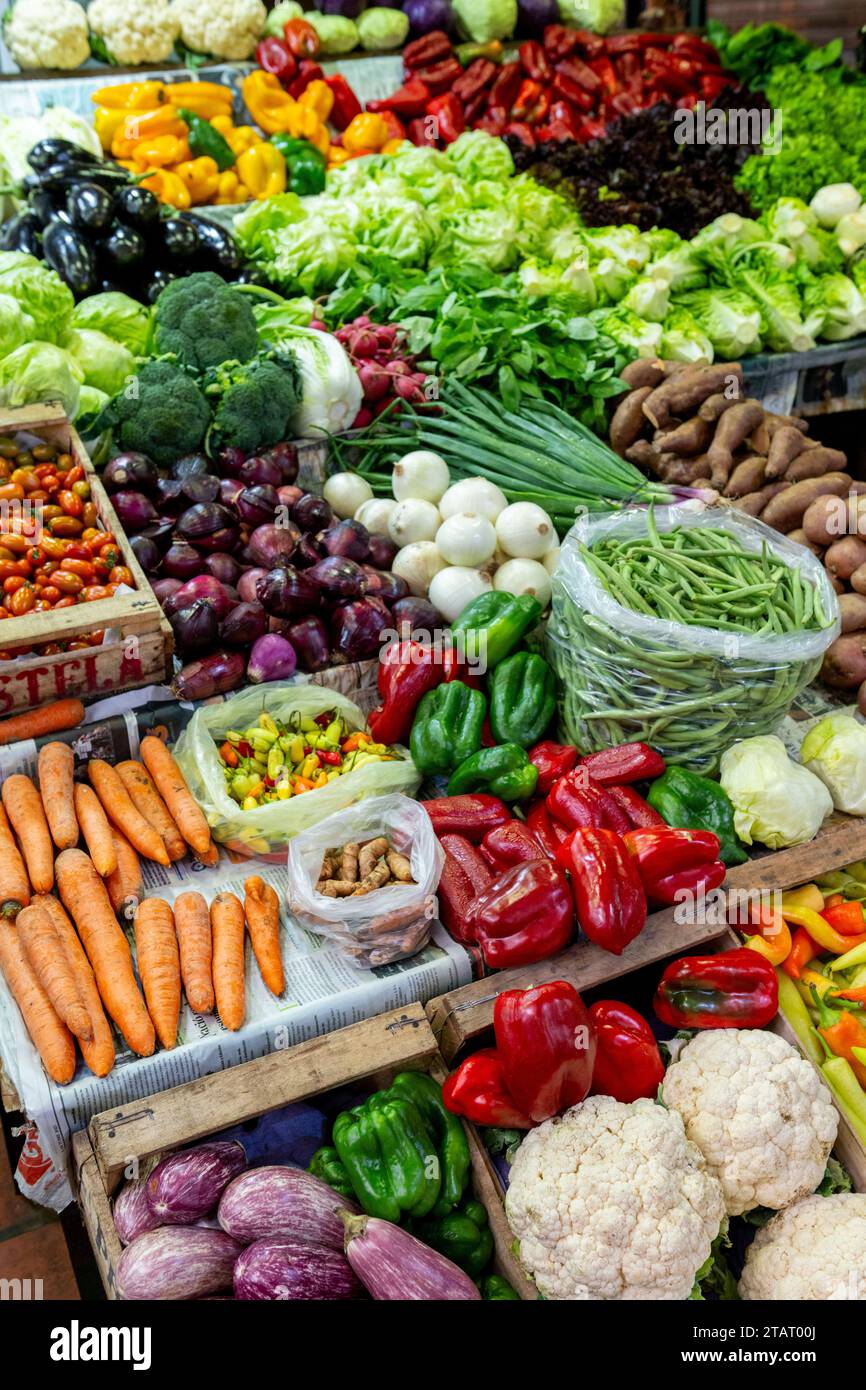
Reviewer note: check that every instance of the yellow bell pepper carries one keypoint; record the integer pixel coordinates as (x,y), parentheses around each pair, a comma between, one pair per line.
(318,97)
(304,124)
(145,125)
(227,183)
(392,146)
(263,170)
(365,132)
(201,177)
(242,138)
(168,188)
(267,103)
(337,156)
(204,106)
(106,121)
(128,96)
(182,93)
(161,151)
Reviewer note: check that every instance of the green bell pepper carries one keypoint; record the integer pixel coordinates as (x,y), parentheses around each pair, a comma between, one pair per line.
(204,140)
(389,1156)
(448,1133)
(522,693)
(493,624)
(690,802)
(327,1165)
(495,1289)
(305,165)
(447,727)
(463,1236)
(504,771)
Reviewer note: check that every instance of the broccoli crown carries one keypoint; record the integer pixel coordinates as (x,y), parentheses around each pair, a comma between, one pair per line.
(203,321)
(257,402)
(162,413)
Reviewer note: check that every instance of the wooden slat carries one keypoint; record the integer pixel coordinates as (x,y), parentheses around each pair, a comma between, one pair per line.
(191,1112)
(841,842)
(95,1210)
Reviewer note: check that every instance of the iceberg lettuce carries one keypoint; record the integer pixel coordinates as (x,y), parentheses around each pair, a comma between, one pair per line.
(729,318)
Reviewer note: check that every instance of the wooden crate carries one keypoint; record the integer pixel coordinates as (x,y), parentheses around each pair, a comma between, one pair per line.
(372,1051)
(140,653)
(466,1012)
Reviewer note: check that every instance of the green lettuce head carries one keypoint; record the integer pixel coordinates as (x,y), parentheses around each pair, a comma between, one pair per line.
(40,372)
(729,318)
(477,155)
(40,292)
(480,236)
(118,316)
(838,305)
(90,402)
(380,29)
(835,750)
(599,16)
(776,801)
(336,33)
(105,363)
(683,339)
(483,20)
(16,326)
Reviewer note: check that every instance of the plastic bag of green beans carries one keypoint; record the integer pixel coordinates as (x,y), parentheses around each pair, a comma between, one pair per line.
(685,627)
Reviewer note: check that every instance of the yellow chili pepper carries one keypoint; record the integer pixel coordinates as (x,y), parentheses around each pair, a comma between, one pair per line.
(809,978)
(365,132)
(857,956)
(161,151)
(820,931)
(168,188)
(337,156)
(263,170)
(126,96)
(107,120)
(267,103)
(201,177)
(809,895)
(319,98)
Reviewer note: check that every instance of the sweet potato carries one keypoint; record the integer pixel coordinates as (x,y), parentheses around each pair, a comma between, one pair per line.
(644,371)
(686,472)
(714,406)
(648,457)
(775,422)
(852,607)
(732,429)
(746,476)
(810,463)
(629,422)
(754,502)
(845,556)
(799,502)
(844,666)
(785,445)
(687,440)
(680,395)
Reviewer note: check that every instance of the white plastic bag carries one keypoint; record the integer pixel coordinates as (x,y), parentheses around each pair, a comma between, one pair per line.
(390,923)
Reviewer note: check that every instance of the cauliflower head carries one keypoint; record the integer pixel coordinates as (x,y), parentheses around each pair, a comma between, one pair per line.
(814,1250)
(758,1111)
(225,28)
(134,31)
(612,1201)
(47,34)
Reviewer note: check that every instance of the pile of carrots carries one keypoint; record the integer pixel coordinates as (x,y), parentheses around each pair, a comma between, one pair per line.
(63,952)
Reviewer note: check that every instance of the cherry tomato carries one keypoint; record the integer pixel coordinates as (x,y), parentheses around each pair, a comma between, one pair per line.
(13,583)
(65,526)
(79,645)
(82,489)
(53,547)
(74,475)
(121,574)
(83,568)
(75,550)
(17,544)
(50,512)
(52,649)
(11,569)
(89,514)
(72,504)
(42,606)
(95,639)
(22,601)
(51,594)
(68,583)
(66,602)
(94,592)
(10,492)
(111,555)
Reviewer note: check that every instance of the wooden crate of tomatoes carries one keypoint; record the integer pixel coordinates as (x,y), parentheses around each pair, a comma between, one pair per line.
(77,615)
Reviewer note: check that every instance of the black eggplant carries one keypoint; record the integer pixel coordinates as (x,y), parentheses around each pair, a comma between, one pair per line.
(54,151)
(157,283)
(21,233)
(89,207)
(59,177)
(219,249)
(44,207)
(137,207)
(71,255)
(123,248)
(180,239)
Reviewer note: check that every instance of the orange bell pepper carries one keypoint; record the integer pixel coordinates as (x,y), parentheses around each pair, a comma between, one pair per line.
(392,146)
(337,156)
(145,125)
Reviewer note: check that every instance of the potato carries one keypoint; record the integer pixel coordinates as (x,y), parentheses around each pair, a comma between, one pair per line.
(856,520)
(858,580)
(853,610)
(824,520)
(861,698)
(800,537)
(844,666)
(844,557)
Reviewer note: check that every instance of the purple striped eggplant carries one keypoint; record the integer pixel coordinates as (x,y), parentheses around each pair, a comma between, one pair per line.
(177,1262)
(281,1269)
(186,1186)
(133,1214)
(278,1201)
(391,1264)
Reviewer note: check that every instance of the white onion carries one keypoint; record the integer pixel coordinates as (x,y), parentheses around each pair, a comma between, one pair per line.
(473,495)
(524,577)
(346,492)
(455,587)
(420,474)
(413,520)
(551,559)
(376,514)
(466,539)
(525,531)
(417,564)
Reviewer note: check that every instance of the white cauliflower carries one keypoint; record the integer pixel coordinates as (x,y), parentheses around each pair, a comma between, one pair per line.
(225,28)
(47,34)
(814,1250)
(611,1201)
(134,31)
(759,1113)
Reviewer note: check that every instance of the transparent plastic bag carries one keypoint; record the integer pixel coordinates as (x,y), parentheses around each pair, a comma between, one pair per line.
(390,923)
(689,691)
(266,831)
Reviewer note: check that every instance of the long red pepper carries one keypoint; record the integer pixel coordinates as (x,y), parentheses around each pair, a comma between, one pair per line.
(608,895)
(628,1064)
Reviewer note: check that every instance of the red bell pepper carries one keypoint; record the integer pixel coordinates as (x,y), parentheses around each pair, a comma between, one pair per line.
(524,915)
(308,71)
(522,131)
(577,801)
(477,1091)
(548,832)
(474,108)
(591,45)
(581,75)
(463,874)
(474,80)
(558,41)
(346,105)
(687,884)
(534,61)
(628,1064)
(553,761)
(567,90)
(407,670)
(735,989)
(663,850)
(471,815)
(274,56)
(430,48)
(640,814)
(627,762)
(440,77)
(494,120)
(396,128)
(546,1044)
(505,88)
(513,843)
(409,100)
(563,121)
(603,68)
(447,112)
(608,895)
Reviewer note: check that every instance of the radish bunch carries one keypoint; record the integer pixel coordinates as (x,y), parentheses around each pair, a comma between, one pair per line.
(385,369)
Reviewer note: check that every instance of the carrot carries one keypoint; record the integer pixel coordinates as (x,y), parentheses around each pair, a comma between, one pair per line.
(192,921)
(50,719)
(171,785)
(51,1037)
(159,966)
(262,908)
(14,883)
(210,858)
(83,893)
(95,829)
(124,884)
(118,807)
(144,795)
(51,968)
(24,809)
(56,765)
(227,924)
(98,1053)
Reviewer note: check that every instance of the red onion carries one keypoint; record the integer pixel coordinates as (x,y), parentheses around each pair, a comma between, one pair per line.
(307,552)
(134,471)
(244,624)
(347,538)
(160,531)
(272,545)
(357,628)
(135,511)
(260,470)
(411,615)
(204,586)
(287,593)
(164,588)
(289,494)
(384,585)
(170,496)
(191,466)
(247,584)
(309,637)
(229,490)
(338,578)
(213,675)
(208,526)
(196,627)
(201,487)
(146,552)
(256,505)
(230,462)
(225,568)
(272,659)
(312,513)
(382,552)
(286,455)
(181,561)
